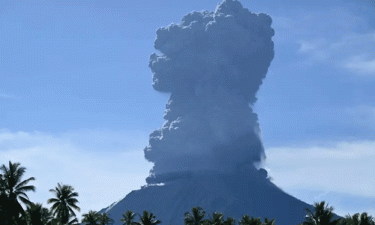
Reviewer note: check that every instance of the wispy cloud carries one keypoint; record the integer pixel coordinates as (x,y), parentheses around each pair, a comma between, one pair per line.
(343,203)
(328,166)
(326,170)
(334,36)
(328,23)
(316,48)
(354,52)
(100,177)
(361,65)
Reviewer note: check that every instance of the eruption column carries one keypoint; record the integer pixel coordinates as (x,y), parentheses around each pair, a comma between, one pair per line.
(212,63)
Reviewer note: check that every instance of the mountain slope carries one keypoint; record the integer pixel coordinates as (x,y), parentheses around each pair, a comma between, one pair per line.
(232,194)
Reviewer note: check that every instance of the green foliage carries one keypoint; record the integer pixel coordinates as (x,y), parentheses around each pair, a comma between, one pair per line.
(4,209)
(128,218)
(13,192)
(358,219)
(36,214)
(246,220)
(195,217)
(91,218)
(217,219)
(230,221)
(322,215)
(57,221)
(269,222)
(104,219)
(148,219)
(64,203)
(95,218)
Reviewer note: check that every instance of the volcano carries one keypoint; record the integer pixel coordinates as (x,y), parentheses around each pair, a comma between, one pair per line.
(209,151)
(214,192)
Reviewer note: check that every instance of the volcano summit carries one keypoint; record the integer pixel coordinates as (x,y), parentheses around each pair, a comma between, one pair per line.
(212,64)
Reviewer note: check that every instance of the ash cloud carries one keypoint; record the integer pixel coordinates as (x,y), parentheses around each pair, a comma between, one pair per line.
(212,64)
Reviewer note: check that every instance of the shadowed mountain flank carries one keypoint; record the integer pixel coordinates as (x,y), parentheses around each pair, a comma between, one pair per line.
(212,64)
(213,192)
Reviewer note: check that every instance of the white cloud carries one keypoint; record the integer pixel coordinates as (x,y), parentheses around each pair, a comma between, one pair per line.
(334,36)
(100,177)
(343,203)
(316,48)
(341,173)
(104,176)
(342,167)
(361,65)
(354,52)
(307,46)
(328,23)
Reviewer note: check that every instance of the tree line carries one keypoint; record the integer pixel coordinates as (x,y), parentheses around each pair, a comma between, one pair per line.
(17,209)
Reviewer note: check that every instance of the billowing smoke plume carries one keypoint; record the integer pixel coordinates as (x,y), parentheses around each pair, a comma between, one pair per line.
(212,63)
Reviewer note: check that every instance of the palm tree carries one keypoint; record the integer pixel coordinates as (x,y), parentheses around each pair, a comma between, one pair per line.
(148,219)
(104,219)
(57,221)
(128,218)
(4,209)
(322,215)
(269,222)
(91,218)
(358,219)
(194,218)
(230,221)
(64,203)
(73,221)
(246,220)
(3,206)
(217,219)
(37,214)
(13,189)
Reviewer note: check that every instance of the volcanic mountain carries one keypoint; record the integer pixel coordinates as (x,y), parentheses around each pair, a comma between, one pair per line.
(212,64)
(214,192)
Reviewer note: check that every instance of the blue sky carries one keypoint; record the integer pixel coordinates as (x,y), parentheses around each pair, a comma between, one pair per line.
(77,105)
